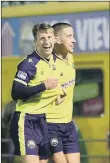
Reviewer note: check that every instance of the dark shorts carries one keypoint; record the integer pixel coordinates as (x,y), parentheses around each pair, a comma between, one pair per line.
(29,133)
(63,137)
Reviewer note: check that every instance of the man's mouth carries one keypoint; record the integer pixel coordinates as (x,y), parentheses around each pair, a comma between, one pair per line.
(72,46)
(47,47)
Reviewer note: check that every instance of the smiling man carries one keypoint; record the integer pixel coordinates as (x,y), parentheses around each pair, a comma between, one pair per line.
(34,88)
(62,130)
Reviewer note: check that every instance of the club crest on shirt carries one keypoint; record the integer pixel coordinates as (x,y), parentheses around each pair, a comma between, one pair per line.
(54,142)
(31,144)
(61,74)
(42,72)
(54,67)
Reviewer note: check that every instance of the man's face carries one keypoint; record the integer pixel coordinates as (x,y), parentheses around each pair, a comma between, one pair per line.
(45,42)
(66,36)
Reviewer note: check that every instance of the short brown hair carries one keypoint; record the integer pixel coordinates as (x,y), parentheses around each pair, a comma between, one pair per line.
(59,26)
(40,26)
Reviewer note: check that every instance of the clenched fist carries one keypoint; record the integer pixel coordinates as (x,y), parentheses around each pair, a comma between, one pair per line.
(51,83)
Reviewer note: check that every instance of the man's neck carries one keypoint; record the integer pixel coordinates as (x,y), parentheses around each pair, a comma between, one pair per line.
(43,55)
(61,53)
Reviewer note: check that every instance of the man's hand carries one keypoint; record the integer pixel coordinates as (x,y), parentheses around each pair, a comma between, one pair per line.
(61,97)
(59,100)
(51,83)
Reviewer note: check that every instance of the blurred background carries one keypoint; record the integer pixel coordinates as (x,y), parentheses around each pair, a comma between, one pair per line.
(90,21)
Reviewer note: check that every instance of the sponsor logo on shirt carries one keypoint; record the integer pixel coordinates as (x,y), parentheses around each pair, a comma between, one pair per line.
(21,75)
(69,83)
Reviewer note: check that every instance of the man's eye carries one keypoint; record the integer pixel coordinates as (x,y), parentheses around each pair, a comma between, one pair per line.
(49,37)
(42,38)
(70,35)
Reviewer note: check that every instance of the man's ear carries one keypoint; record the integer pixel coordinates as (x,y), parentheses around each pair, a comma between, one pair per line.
(35,42)
(57,40)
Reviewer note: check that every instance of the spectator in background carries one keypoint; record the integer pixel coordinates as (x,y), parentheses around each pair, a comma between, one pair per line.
(7,145)
(20,3)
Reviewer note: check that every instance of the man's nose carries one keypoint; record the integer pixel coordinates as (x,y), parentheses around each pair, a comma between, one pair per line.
(74,40)
(46,41)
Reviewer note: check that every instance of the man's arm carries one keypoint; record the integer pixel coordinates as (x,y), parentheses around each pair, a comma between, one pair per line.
(23,92)
(26,72)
